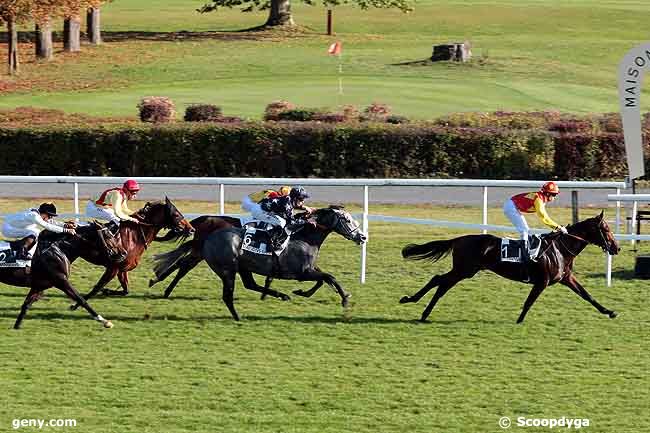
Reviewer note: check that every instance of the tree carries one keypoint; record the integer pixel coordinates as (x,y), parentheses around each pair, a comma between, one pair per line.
(43,11)
(93,29)
(12,13)
(280,10)
(71,11)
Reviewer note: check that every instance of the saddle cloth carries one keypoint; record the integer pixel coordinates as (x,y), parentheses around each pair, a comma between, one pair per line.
(258,241)
(511,248)
(8,258)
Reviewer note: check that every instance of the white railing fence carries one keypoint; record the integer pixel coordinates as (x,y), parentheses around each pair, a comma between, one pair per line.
(221,182)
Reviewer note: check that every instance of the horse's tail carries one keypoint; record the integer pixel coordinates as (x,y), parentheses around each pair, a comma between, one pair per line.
(164,261)
(434,250)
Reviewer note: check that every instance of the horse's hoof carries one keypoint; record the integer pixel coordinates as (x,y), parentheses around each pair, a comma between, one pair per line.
(423,320)
(74,307)
(152,282)
(613,314)
(298,292)
(108,324)
(346,300)
(405,300)
(285,297)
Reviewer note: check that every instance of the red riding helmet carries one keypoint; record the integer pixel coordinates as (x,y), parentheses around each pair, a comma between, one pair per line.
(550,188)
(131,185)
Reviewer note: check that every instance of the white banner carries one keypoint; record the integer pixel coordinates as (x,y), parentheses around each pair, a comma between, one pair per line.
(630,81)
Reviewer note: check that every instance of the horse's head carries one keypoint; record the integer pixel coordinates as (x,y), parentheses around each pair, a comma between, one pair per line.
(165,215)
(337,219)
(596,231)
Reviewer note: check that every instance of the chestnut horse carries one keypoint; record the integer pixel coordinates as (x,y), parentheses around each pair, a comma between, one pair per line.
(554,264)
(135,239)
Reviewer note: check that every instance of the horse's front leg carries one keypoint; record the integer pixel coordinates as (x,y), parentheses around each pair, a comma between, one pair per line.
(318,275)
(250,284)
(108,275)
(123,277)
(573,284)
(67,288)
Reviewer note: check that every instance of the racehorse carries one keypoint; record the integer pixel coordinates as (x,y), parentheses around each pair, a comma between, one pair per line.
(222,251)
(554,264)
(51,265)
(135,239)
(188,255)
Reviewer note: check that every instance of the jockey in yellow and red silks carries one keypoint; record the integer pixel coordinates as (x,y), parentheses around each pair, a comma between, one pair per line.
(532,202)
(111,205)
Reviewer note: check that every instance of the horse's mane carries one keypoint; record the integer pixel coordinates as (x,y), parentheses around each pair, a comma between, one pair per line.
(147,208)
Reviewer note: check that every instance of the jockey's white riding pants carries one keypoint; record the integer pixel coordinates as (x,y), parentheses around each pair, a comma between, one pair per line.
(10,231)
(101,213)
(516,218)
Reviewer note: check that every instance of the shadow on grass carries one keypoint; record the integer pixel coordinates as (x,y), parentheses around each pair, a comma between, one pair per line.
(618,275)
(51,293)
(12,313)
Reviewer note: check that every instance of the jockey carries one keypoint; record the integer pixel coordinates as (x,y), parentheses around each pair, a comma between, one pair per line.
(530,202)
(278,212)
(111,205)
(28,224)
(250,203)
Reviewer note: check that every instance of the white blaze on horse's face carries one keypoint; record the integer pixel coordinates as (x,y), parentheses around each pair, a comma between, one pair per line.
(349,227)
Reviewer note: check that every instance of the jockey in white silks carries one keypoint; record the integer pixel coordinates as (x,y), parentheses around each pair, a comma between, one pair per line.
(29,223)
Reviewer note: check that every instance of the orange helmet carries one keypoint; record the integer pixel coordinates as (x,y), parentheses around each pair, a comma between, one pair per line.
(131,185)
(550,188)
(284,190)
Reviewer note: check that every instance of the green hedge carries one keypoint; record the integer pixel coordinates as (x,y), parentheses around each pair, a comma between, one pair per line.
(303,149)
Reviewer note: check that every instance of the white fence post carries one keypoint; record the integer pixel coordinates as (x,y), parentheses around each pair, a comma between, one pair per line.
(609,270)
(222,203)
(365,230)
(633,231)
(76,201)
(618,212)
(485,208)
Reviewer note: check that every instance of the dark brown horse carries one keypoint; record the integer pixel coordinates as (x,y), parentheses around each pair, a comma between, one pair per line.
(51,265)
(474,253)
(135,239)
(188,255)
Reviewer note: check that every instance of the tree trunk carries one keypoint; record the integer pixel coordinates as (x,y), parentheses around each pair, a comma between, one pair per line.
(72,34)
(93,29)
(44,46)
(12,41)
(280,13)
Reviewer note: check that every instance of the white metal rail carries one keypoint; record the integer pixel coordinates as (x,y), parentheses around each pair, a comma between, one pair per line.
(221,182)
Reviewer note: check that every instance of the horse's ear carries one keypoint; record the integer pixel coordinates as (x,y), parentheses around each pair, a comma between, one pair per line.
(602,214)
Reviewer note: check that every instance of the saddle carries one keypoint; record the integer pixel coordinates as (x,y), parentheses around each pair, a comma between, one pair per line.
(511,249)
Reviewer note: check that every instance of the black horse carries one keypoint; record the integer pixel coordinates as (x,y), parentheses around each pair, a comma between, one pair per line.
(51,265)
(474,253)
(222,251)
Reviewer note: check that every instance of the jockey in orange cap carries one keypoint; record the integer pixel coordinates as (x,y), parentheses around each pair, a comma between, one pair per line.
(111,205)
(532,202)
(251,202)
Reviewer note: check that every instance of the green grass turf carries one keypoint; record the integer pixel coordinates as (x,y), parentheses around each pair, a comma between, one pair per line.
(529,55)
(183,365)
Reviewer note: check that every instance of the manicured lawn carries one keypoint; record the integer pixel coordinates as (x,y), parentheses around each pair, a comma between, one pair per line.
(528,55)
